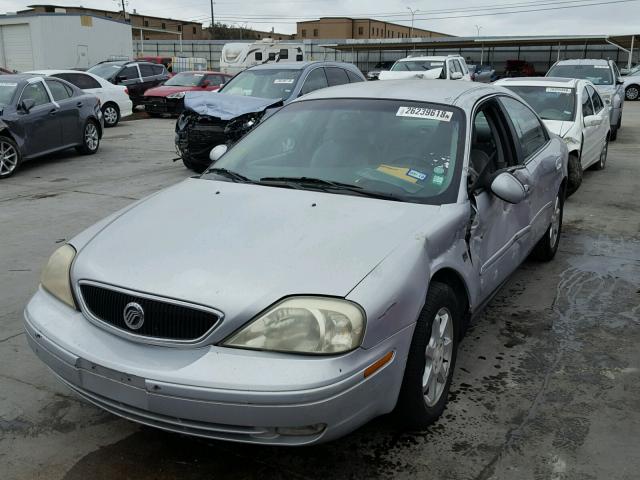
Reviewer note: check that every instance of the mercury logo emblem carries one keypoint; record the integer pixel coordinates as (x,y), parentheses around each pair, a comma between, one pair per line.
(133,316)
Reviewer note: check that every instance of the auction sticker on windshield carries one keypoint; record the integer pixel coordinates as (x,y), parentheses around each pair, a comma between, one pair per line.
(427,113)
(283,80)
(5,84)
(558,90)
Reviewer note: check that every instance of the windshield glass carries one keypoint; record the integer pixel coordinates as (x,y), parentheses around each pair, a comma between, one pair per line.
(597,74)
(185,80)
(634,71)
(7,89)
(406,150)
(416,66)
(551,103)
(276,84)
(105,70)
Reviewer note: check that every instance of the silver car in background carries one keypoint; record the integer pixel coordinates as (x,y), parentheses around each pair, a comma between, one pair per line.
(339,251)
(573,110)
(605,76)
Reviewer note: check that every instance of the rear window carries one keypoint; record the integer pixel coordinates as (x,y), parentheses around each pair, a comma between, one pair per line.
(80,80)
(596,74)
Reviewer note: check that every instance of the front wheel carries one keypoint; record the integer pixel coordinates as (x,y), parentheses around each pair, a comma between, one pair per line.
(632,92)
(547,246)
(602,161)
(432,358)
(575,174)
(111,115)
(9,157)
(90,139)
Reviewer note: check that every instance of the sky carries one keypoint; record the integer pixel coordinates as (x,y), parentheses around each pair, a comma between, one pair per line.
(490,16)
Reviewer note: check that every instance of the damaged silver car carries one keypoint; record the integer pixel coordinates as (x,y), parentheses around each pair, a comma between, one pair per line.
(210,119)
(340,251)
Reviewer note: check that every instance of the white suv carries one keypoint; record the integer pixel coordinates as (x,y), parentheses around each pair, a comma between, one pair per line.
(451,67)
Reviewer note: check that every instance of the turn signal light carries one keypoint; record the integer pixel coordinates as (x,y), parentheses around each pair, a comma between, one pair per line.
(377,365)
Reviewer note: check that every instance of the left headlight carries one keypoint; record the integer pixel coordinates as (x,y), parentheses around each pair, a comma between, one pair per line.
(176,95)
(56,278)
(311,325)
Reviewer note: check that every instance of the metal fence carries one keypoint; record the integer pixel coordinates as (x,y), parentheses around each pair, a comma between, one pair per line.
(540,57)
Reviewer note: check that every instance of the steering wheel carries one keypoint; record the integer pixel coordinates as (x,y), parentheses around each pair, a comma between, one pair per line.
(483,174)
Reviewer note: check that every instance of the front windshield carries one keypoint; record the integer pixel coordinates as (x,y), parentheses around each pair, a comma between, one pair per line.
(416,66)
(185,80)
(401,150)
(551,103)
(105,70)
(7,90)
(268,83)
(597,74)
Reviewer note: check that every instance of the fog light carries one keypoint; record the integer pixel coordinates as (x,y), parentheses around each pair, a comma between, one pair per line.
(302,431)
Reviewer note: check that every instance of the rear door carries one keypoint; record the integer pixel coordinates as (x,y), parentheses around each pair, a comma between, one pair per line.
(590,140)
(69,111)
(42,123)
(603,114)
(130,78)
(315,80)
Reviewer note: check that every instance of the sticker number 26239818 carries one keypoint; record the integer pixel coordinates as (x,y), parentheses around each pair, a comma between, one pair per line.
(428,113)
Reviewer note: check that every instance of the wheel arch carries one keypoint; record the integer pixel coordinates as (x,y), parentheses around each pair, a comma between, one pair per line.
(111,102)
(455,280)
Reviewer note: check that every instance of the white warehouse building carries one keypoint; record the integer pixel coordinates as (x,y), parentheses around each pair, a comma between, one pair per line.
(53,41)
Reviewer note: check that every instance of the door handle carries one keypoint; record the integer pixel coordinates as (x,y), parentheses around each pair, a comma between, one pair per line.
(79,104)
(53,112)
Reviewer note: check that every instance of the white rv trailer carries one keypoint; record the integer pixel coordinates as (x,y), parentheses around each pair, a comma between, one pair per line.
(237,57)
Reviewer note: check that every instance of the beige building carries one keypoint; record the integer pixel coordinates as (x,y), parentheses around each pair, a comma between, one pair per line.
(144,23)
(358,28)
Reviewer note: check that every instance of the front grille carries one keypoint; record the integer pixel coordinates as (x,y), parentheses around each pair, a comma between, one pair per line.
(162,319)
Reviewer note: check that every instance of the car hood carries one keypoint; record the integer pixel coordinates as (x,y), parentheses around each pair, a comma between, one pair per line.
(427,75)
(558,127)
(226,107)
(164,90)
(239,248)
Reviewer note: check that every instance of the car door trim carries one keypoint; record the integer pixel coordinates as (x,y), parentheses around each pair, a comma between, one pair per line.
(504,249)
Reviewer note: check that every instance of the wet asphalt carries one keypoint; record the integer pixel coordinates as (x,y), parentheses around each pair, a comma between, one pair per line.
(548,377)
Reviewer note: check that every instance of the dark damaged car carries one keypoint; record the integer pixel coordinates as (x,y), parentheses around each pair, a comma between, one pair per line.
(222,118)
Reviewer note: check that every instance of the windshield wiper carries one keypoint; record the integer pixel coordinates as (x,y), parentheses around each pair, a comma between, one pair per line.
(327,185)
(235,176)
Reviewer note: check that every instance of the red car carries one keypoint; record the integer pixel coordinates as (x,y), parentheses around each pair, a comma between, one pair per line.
(168,98)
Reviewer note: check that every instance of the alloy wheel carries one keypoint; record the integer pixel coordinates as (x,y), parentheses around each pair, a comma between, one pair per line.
(632,93)
(8,158)
(439,353)
(110,115)
(91,136)
(554,231)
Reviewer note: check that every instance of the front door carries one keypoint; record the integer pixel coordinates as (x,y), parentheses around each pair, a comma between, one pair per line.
(590,141)
(42,123)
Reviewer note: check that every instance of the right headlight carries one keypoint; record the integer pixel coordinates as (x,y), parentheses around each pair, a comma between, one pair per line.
(311,325)
(56,278)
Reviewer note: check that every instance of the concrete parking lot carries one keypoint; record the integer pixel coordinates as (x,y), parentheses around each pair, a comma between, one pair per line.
(547,383)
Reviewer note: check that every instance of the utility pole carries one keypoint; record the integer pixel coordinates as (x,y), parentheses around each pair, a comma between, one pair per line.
(213,20)
(413,14)
(478,28)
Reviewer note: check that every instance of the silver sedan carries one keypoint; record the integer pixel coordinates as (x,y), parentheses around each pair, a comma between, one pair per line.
(321,272)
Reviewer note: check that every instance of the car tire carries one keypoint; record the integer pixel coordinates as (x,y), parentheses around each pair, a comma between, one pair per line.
(431,361)
(111,115)
(575,174)
(547,246)
(602,161)
(10,157)
(632,92)
(90,138)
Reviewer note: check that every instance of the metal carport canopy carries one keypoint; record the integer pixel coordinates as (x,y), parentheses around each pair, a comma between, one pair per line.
(622,41)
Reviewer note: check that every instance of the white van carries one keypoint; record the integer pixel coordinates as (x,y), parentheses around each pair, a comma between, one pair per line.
(237,57)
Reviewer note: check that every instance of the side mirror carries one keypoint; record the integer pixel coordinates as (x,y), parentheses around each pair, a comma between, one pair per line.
(619,81)
(217,152)
(119,79)
(27,104)
(508,188)
(592,121)
(456,76)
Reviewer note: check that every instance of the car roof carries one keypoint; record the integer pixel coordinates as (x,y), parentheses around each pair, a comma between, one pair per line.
(17,77)
(54,72)
(584,61)
(437,58)
(298,65)
(432,91)
(204,72)
(539,81)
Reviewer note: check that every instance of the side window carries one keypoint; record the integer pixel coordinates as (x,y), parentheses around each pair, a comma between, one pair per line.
(465,68)
(587,106)
(258,56)
(129,73)
(284,54)
(146,70)
(595,98)
(157,69)
(272,56)
(530,132)
(315,81)
(336,76)
(353,78)
(36,92)
(80,80)
(59,90)
(486,154)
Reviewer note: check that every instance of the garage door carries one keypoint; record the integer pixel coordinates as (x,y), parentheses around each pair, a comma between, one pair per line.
(15,46)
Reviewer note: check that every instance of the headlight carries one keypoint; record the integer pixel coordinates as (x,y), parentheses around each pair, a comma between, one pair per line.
(313,325)
(176,95)
(55,277)
(607,98)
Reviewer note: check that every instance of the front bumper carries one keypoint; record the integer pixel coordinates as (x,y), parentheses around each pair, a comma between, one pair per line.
(163,105)
(215,392)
